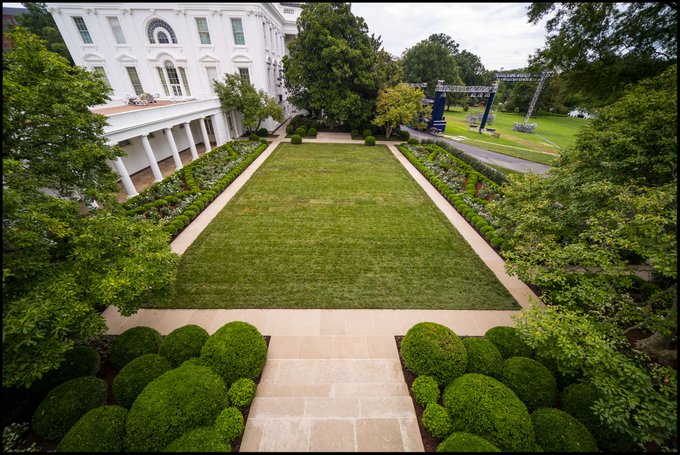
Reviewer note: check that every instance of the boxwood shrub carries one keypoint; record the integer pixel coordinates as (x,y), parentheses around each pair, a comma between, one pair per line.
(242,392)
(354,133)
(183,343)
(425,390)
(102,429)
(201,439)
(253,137)
(482,405)
(432,349)
(557,431)
(79,361)
(296,139)
(413,141)
(236,350)
(263,132)
(370,140)
(367,132)
(483,357)
(312,132)
(132,343)
(508,342)
(134,376)
(182,399)
(466,442)
(301,131)
(229,424)
(404,135)
(531,381)
(437,421)
(66,404)
(290,128)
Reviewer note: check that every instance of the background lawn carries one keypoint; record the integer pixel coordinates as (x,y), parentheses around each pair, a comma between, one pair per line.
(334,226)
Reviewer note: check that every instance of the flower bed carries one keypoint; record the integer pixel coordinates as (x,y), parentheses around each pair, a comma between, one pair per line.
(468,190)
(176,200)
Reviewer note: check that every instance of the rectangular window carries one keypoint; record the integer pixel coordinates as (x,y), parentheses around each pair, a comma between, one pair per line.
(185,82)
(174,81)
(245,75)
(212,77)
(237,27)
(162,76)
(116,29)
(203,32)
(82,28)
(102,73)
(134,78)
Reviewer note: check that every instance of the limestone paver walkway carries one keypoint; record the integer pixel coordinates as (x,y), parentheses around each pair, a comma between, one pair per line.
(333,379)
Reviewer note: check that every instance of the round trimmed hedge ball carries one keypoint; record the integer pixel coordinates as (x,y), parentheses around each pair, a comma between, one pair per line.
(483,357)
(563,379)
(183,343)
(79,361)
(425,390)
(242,392)
(202,439)
(486,407)
(557,431)
(236,350)
(182,399)
(134,376)
(66,404)
(508,342)
(435,350)
(229,424)
(531,381)
(100,430)
(437,421)
(466,442)
(132,343)
(296,139)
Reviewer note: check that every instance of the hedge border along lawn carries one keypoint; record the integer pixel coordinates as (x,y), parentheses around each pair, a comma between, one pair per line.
(334,226)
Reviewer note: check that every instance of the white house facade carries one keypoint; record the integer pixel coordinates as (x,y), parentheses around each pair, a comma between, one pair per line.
(174,51)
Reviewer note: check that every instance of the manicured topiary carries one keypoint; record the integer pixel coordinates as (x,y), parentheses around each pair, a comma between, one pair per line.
(132,343)
(367,133)
(486,407)
(296,139)
(508,342)
(425,390)
(236,350)
(79,361)
(370,140)
(183,343)
(466,442)
(229,424)
(290,128)
(201,439)
(301,131)
(262,132)
(437,421)
(100,430)
(253,137)
(532,382)
(432,349)
(134,376)
(413,141)
(242,392)
(563,379)
(404,135)
(557,431)
(66,404)
(312,132)
(483,357)
(354,133)
(187,397)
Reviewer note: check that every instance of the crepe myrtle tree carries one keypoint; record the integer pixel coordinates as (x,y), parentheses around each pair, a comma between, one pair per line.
(399,105)
(235,93)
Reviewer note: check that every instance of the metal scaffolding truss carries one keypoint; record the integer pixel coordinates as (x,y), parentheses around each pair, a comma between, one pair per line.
(476,91)
(522,77)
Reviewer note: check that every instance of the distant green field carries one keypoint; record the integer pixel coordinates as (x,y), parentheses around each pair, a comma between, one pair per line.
(553,133)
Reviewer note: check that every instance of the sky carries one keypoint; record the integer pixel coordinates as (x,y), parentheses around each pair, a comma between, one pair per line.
(498,33)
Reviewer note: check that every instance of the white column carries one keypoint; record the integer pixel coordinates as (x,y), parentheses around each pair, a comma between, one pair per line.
(204,131)
(151,158)
(173,148)
(218,126)
(190,137)
(127,181)
(222,115)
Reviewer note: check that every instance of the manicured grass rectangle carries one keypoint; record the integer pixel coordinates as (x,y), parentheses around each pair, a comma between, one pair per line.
(334,226)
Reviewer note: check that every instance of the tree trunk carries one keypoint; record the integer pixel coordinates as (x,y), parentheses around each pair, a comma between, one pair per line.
(388,130)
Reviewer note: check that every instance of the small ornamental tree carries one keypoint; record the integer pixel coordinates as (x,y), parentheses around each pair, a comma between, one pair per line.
(398,105)
(235,93)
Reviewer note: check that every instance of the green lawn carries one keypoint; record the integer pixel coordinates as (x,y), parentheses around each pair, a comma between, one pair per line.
(334,226)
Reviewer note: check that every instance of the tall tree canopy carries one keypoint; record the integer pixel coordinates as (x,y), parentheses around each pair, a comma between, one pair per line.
(602,47)
(40,22)
(431,60)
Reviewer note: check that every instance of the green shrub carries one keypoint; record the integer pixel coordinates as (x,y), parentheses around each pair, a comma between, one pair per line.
(66,404)
(102,429)
(182,399)
(496,242)
(483,357)
(229,424)
(312,132)
(413,141)
(242,392)
(253,137)
(508,342)
(367,132)
(79,361)
(262,132)
(404,135)
(237,350)
(132,343)
(301,131)
(290,128)
(201,439)
(296,139)
(557,431)
(482,405)
(437,421)
(563,380)
(134,376)
(183,343)
(531,381)
(432,349)
(466,442)
(354,133)
(425,390)
(370,140)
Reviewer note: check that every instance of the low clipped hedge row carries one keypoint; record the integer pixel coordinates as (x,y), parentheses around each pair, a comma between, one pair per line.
(473,162)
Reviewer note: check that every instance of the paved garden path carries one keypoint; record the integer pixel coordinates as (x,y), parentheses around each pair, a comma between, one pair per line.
(333,379)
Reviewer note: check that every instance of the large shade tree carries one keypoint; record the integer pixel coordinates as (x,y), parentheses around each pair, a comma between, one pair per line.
(430,60)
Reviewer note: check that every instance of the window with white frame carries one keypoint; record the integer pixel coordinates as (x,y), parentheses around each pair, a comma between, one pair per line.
(161,75)
(245,74)
(203,33)
(134,79)
(82,29)
(159,32)
(237,28)
(175,78)
(102,73)
(185,81)
(212,77)
(117,30)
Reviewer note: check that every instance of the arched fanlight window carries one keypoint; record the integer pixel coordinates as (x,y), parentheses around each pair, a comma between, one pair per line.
(159,32)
